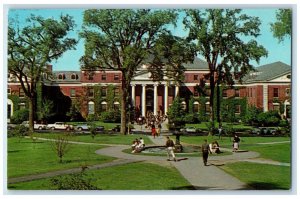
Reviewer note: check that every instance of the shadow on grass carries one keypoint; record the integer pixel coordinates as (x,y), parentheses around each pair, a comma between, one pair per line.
(264,186)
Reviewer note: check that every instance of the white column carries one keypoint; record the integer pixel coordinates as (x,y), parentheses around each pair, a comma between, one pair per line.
(144,100)
(176,90)
(166,99)
(133,94)
(155,99)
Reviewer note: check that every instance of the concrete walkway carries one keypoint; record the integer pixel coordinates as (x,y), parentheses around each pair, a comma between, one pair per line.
(191,168)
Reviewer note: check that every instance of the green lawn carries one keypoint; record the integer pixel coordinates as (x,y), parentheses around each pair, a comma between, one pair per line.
(135,176)
(260,176)
(26,157)
(100,138)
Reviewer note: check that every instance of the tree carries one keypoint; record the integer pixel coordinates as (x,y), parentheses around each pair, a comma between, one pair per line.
(283,26)
(219,35)
(31,47)
(60,145)
(123,40)
(176,113)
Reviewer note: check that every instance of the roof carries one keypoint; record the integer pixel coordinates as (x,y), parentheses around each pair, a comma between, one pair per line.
(67,76)
(268,72)
(198,64)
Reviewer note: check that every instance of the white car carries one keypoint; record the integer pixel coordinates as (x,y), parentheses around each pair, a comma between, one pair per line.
(60,126)
(35,126)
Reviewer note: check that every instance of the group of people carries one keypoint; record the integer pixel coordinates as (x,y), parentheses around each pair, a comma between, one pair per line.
(155,131)
(214,147)
(137,145)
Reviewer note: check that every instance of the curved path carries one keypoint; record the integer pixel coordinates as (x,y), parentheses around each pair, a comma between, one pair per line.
(192,168)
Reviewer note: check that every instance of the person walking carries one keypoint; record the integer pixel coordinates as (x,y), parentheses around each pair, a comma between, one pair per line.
(170,149)
(153,130)
(236,141)
(205,151)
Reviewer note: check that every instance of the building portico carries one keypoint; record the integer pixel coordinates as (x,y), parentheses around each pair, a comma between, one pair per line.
(152,97)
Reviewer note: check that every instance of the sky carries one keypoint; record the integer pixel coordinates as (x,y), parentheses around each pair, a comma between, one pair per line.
(70,59)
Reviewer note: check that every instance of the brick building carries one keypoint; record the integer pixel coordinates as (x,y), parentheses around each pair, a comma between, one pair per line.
(267,88)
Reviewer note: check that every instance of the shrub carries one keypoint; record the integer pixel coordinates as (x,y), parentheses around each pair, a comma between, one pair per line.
(77,181)
(111,116)
(18,131)
(20,116)
(191,118)
(271,118)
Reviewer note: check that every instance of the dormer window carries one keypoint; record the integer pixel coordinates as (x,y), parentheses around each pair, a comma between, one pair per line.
(61,76)
(74,76)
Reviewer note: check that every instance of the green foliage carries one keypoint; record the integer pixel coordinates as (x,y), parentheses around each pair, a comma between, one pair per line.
(176,114)
(283,26)
(46,111)
(77,181)
(110,116)
(60,146)
(270,118)
(192,118)
(74,113)
(217,34)
(19,131)
(20,116)
(251,115)
(123,39)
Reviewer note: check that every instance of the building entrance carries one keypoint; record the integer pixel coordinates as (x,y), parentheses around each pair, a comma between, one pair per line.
(149,100)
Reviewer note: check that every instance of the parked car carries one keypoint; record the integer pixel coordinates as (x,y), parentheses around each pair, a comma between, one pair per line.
(99,129)
(60,126)
(36,126)
(11,126)
(265,131)
(190,129)
(82,127)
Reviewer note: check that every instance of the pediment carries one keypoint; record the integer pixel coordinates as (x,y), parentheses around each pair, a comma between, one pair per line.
(142,75)
(283,78)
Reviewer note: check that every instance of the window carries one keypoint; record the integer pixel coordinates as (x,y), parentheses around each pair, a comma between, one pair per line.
(90,92)
(287,92)
(196,93)
(196,107)
(116,91)
(116,77)
(237,93)
(72,92)
(116,105)
(224,93)
(61,76)
(250,92)
(90,76)
(276,106)
(91,107)
(237,109)
(103,106)
(74,76)
(103,92)
(21,93)
(21,106)
(207,107)
(103,77)
(9,91)
(195,77)
(275,92)
(183,104)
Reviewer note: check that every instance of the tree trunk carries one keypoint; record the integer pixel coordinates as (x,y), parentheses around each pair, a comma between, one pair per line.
(211,99)
(31,113)
(124,107)
(218,105)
